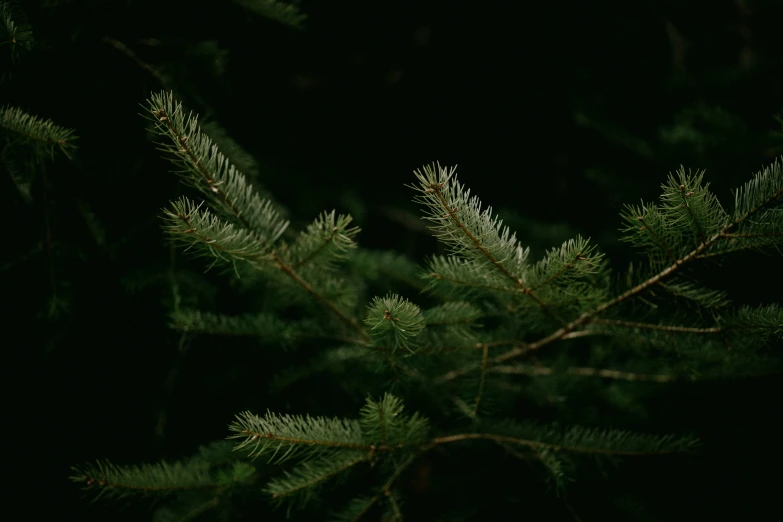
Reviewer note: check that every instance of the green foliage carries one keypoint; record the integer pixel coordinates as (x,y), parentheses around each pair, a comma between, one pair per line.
(280,11)
(394,319)
(150,479)
(16,35)
(501,330)
(187,222)
(476,235)
(203,166)
(39,135)
(294,435)
(384,424)
(324,242)
(28,140)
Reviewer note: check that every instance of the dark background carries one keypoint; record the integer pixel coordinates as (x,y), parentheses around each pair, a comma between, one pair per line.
(556,112)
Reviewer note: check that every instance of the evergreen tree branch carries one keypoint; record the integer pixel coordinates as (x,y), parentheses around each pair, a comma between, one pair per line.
(270,327)
(205,167)
(324,242)
(356,509)
(395,319)
(258,225)
(470,232)
(188,223)
(42,134)
(459,275)
(765,189)
(296,434)
(307,287)
(161,478)
(14,30)
(308,474)
(582,440)
(636,290)
(282,12)
(384,424)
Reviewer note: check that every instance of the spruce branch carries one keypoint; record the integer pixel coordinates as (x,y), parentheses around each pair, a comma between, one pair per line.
(395,319)
(320,297)
(190,224)
(356,509)
(575,260)
(202,165)
(253,223)
(41,134)
(384,424)
(267,326)
(286,13)
(303,478)
(578,439)
(325,241)
(15,31)
(765,189)
(471,233)
(383,266)
(160,479)
(454,277)
(689,206)
(295,435)
(561,469)
(756,325)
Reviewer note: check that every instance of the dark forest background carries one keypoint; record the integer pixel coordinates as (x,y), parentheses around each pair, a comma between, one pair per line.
(556,112)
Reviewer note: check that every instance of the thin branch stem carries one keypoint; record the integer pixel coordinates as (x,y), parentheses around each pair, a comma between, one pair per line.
(124,49)
(662,327)
(320,298)
(538,444)
(482,380)
(583,372)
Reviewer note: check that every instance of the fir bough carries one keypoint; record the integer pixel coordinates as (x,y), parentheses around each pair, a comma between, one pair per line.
(502,318)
